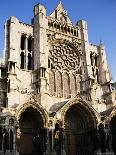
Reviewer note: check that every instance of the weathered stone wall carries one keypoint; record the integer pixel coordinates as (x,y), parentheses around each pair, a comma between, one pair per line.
(65,62)
(20,80)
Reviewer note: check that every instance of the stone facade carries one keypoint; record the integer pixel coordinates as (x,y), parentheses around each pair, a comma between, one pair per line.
(52,73)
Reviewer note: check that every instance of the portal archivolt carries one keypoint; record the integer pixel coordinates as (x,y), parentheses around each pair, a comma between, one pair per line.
(32,122)
(80,128)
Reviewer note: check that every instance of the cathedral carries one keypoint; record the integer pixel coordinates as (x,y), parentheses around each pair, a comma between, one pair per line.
(57,95)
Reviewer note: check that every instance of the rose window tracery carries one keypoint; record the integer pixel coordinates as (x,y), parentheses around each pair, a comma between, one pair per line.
(64,57)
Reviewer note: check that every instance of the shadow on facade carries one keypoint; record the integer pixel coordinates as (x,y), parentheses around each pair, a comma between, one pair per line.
(32,138)
(79,135)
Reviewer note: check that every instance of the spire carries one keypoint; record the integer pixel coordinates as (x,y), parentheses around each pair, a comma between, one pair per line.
(101,41)
(60,3)
(61,14)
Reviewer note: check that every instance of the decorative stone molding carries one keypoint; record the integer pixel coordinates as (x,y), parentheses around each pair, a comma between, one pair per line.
(64,55)
(35,105)
(113,114)
(79,100)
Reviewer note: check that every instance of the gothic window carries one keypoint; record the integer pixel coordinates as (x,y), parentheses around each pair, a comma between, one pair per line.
(22,58)
(66,85)
(61,27)
(65,29)
(97,75)
(42,72)
(29,61)
(48,63)
(58,84)
(58,27)
(77,87)
(49,24)
(68,30)
(56,14)
(93,71)
(51,82)
(74,32)
(11,66)
(96,61)
(91,58)
(52,66)
(55,26)
(23,39)
(73,84)
(3,72)
(30,44)
(80,70)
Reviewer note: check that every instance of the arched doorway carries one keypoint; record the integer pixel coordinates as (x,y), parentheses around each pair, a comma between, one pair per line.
(113,132)
(32,139)
(80,131)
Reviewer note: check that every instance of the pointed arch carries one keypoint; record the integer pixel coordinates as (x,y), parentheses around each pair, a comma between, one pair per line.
(29,61)
(78,84)
(23,42)
(80,125)
(22,60)
(58,77)
(30,41)
(73,84)
(79,101)
(32,104)
(52,82)
(66,85)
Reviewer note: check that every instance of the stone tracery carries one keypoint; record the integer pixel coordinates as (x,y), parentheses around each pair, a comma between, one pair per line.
(64,57)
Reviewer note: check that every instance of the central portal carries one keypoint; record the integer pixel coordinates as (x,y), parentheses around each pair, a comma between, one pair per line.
(80,131)
(32,139)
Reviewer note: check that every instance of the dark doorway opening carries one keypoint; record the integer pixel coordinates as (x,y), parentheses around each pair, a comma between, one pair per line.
(32,139)
(80,131)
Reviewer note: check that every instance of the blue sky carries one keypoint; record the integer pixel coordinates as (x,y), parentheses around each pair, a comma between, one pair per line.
(100,15)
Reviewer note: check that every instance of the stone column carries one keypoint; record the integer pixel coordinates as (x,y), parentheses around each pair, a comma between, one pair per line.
(63,152)
(50,142)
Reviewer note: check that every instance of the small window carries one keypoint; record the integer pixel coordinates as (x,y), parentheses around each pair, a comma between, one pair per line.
(48,63)
(22,57)
(61,28)
(58,27)
(74,32)
(55,26)
(30,44)
(23,39)
(56,14)
(91,58)
(29,61)
(97,75)
(96,59)
(93,71)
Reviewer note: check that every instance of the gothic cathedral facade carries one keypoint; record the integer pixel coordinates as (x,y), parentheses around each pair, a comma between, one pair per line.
(57,94)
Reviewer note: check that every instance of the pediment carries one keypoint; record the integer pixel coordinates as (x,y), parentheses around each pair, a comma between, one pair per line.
(61,14)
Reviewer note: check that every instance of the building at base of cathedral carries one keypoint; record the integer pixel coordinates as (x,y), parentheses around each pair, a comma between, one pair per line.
(57,92)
